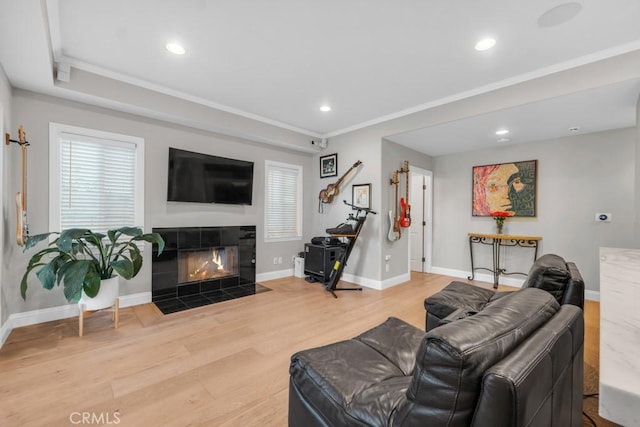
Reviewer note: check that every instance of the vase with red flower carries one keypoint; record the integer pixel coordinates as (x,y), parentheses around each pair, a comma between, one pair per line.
(499,217)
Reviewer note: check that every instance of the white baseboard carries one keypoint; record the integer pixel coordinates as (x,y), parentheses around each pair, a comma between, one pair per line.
(5,330)
(510,281)
(33,317)
(271,275)
(592,295)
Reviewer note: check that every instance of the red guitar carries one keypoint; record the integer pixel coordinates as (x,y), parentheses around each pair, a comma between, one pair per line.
(405,215)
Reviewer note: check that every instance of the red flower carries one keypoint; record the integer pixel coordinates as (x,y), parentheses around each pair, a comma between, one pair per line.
(500,216)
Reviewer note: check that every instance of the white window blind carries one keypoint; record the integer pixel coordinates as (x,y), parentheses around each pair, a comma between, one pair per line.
(96,183)
(283,201)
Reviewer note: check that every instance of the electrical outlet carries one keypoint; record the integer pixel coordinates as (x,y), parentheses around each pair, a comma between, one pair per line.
(275,260)
(386,267)
(279,260)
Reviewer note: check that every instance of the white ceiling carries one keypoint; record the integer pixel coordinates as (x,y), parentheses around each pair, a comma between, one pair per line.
(371,60)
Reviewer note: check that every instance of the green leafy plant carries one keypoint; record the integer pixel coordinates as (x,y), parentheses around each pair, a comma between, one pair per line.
(79,259)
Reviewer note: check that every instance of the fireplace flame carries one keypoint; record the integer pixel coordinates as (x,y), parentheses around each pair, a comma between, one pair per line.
(197,271)
(215,257)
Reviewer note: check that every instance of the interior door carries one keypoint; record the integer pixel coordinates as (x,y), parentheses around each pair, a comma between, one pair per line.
(417,227)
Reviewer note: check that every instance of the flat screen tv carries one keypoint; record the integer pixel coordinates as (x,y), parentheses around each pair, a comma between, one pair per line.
(202,178)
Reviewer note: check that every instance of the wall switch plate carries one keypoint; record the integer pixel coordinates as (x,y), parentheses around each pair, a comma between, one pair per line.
(603,217)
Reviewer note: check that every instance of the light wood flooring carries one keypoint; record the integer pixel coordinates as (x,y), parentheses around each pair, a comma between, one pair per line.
(221,365)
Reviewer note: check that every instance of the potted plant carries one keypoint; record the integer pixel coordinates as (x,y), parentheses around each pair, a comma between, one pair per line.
(81,259)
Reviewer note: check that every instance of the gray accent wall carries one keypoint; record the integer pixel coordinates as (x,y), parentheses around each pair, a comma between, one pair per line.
(37,111)
(577,177)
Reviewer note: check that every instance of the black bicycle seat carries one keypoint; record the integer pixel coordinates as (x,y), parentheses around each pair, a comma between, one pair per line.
(341,229)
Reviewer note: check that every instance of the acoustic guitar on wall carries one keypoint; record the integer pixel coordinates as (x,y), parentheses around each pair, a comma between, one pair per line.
(327,195)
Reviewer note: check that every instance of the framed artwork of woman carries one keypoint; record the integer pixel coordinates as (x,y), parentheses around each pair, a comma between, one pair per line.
(505,187)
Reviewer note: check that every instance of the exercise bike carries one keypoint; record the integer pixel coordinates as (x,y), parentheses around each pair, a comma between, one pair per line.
(350,233)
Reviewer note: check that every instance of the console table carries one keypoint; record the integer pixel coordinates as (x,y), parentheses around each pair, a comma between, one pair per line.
(496,241)
(620,336)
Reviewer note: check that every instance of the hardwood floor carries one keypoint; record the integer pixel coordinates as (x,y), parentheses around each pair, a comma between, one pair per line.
(221,365)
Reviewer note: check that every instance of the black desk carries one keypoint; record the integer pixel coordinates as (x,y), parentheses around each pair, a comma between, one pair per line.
(497,241)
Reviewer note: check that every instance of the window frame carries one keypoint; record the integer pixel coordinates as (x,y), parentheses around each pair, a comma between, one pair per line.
(55,133)
(299,202)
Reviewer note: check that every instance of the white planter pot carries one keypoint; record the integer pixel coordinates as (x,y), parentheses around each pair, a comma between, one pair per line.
(107,295)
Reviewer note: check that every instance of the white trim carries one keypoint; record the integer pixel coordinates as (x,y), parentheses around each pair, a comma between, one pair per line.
(522,78)
(55,132)
(80,65)
(270,165)
(5,331)
(33,317)
(509,281)
(271,275)
(428,215)
(462,274)
(376,284)
(592,295)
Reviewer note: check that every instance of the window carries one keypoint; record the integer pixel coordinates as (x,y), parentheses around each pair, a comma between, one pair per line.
(96,179)
(283,201)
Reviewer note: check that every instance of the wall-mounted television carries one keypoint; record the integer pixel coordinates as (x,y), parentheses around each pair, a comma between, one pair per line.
(202,178)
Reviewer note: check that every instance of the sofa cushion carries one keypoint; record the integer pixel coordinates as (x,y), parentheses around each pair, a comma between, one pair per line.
(396,340)
(457,295)
(549,273)
(359,380)
(452,358)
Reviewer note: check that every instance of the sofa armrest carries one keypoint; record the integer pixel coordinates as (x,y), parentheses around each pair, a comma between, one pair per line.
(574,292)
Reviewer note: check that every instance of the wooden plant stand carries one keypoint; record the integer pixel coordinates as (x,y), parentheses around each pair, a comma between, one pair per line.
(115,309)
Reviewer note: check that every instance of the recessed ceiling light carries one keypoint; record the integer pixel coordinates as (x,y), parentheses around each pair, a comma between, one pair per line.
(504,139)
(175,48)
(325,108)
(502,132)
(485,44)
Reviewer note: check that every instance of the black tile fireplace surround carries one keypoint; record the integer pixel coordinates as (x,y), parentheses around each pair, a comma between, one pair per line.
(213,264)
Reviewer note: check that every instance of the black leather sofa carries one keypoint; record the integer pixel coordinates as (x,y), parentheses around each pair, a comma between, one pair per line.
(550,272)
(518,362)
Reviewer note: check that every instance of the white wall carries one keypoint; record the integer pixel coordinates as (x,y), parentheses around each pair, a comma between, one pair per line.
(36,111)
(637,192)
(5,126)
(577,177)
(380,158)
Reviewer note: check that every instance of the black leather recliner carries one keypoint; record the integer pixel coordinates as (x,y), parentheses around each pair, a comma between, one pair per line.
(550,272)
(518,362)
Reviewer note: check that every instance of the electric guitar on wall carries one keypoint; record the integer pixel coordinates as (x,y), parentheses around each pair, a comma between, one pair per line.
(405,216)
(22,227)
(394,226)
(332,190)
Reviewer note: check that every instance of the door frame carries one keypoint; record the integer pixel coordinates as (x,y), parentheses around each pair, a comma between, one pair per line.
(427,230)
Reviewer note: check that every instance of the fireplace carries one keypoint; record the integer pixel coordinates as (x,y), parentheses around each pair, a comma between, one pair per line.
(204,265)
(210,263)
